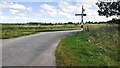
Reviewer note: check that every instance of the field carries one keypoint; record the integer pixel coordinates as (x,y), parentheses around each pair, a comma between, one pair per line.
(98,45)
(15,30)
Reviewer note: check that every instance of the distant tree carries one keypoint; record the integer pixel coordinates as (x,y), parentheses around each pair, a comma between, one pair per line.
(70,22)
(60,23)
(33,23)
(102,22)
(108,8)
(116,21)
(90,22)
(56,23)
(95,22)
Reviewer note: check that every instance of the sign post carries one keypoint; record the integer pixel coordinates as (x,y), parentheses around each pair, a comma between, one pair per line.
(82,14)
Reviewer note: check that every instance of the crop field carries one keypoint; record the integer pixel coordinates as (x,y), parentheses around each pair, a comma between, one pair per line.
(14,30)
(98,45)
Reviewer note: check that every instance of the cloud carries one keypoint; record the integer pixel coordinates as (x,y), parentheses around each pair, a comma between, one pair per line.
(20,7)
(67,7)
(14,11)
(2,5)
(61,9)
(1,13)
(15,6)
(64,14)
(6,19)
(47,9)
(22,14)
(87,1)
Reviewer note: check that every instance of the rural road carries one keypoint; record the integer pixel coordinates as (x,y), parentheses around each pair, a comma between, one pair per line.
(33,50)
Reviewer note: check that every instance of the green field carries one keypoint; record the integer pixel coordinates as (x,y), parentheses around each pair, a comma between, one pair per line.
(96,46)
(14,30)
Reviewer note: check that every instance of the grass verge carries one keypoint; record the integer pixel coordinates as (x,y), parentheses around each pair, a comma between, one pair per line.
(98,46)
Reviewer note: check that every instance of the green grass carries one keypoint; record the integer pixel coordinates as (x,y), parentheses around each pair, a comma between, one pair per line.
(97,46)
(13,31)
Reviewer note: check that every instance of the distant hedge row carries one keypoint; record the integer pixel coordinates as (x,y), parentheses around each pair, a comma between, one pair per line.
(116,21)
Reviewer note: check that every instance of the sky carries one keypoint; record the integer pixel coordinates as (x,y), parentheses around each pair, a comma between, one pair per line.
(54,11)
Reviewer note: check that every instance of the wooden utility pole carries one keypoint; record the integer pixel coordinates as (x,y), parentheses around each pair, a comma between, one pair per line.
(82,14)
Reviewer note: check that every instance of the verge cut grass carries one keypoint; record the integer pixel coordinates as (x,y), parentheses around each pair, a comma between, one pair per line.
(96,47)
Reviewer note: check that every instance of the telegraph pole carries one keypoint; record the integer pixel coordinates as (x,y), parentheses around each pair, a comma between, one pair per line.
(82,14)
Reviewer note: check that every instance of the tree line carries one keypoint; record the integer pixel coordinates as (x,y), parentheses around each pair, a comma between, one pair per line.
(113,21)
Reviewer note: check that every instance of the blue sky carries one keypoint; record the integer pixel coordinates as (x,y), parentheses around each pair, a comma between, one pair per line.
(48,11)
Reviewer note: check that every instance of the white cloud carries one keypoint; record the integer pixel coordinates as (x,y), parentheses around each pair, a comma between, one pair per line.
(87,1)
(5,19)
(65,14)
(22,14)
(2,5)
(62,9)
(67,7)
(1,13)
(29,9)
(15,6)
(14,11)
(47,9)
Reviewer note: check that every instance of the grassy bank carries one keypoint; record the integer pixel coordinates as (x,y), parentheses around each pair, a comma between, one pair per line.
(13,31)
(97,46)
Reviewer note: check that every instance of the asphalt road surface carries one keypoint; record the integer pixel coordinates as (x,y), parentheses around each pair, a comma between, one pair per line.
(33,50)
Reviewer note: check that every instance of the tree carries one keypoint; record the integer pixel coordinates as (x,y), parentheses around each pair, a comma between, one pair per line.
(108,8)
(70,22)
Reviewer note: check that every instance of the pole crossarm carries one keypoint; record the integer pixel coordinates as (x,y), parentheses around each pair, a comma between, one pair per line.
(80,14)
